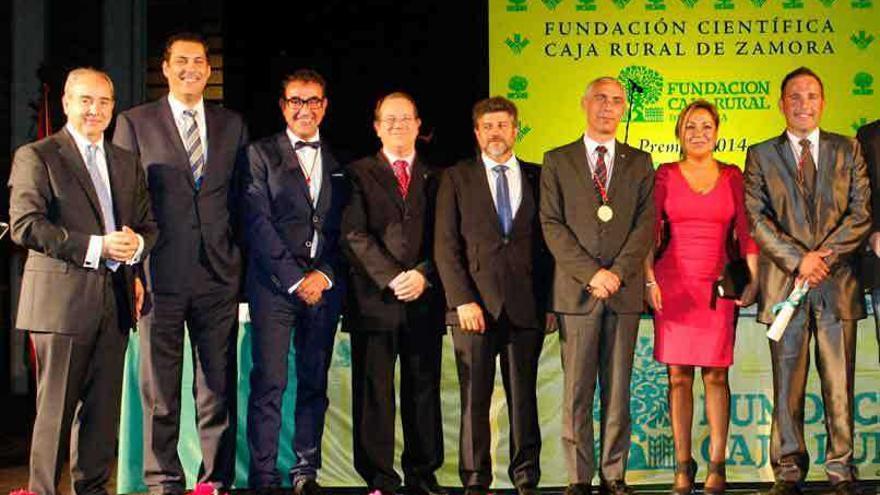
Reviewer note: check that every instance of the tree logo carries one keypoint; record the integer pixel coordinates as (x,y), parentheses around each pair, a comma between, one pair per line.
(518,86)
(863,82)
(621,4)
(585,5)
(652,447)
(793,4)
(524,130)
(655,5)
(517,5)
(643,86)
(859,124)
(724,5)
(517,43)
(689,3)
(551,4)
(862,39)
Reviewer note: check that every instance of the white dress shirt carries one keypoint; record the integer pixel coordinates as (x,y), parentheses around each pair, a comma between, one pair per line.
(96,242)
(593,156)
(795,143)
(182,121)
(514,181)
(409,159)
(310,163)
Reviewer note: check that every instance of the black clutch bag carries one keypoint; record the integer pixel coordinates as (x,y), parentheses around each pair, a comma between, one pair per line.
(735,276)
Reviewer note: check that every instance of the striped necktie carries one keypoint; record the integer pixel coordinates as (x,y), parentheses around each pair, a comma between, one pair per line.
(193,144)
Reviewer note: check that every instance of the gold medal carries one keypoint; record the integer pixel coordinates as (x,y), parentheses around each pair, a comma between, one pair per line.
(605,213)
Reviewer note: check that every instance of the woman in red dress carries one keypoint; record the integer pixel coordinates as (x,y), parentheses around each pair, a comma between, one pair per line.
(700,203)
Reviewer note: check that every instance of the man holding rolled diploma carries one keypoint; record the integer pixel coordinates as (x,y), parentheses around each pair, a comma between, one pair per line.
(807,196)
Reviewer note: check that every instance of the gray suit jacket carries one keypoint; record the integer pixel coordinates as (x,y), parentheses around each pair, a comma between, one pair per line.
(53,210)
(786,227)
(869,139)
(580,243)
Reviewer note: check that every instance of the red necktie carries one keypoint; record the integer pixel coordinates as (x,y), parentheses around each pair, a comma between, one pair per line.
(402,175)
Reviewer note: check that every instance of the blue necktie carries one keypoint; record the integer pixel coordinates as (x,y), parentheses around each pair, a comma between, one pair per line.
(103,196)
(502,199)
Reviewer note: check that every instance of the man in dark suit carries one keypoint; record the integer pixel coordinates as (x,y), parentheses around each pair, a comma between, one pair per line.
(869,138)
(294,194)
(80,206)
(495,270)
(192,153)
(396,306)
(597,212)
(807,195)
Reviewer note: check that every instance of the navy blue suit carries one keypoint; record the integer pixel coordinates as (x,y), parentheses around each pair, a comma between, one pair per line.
(281,223)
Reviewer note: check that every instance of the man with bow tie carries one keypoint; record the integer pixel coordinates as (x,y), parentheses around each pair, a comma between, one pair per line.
(395,309)
(294,194)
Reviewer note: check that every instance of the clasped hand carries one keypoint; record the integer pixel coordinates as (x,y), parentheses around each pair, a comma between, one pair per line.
(813,268)
(604,284)
(408,286)
(120,245)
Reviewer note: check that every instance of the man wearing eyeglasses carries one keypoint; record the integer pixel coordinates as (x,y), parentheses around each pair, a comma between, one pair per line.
(294,193)
(193,154)
(395,309)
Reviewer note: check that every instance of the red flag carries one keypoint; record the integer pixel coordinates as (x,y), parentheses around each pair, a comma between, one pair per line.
(44,121)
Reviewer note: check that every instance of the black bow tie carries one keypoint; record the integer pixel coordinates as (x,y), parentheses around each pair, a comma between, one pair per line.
(303,144)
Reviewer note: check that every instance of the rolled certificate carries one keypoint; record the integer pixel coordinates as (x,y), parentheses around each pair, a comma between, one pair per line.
(785,310)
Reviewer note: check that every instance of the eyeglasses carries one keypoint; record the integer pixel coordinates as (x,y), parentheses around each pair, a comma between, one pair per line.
(404,121)
(296,103)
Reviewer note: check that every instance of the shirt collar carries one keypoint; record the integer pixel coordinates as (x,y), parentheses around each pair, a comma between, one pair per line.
(511,162)
(295,139)
(83,142)
(393,158)
(813,136)
(177,107)
(592,145)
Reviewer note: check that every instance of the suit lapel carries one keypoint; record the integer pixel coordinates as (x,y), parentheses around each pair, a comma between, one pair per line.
(385,176)
(328,166)
(214,135)
(483,193)
(173,135)
(117,182)
(418,175)
(527,204)
(825,172)
(291,162)
(619,170)
(72,157)
(790,163)
(578,157)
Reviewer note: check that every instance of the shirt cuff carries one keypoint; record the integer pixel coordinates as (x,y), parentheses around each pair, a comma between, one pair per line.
(295,286)
(136,258)
(329,282)
(93,253)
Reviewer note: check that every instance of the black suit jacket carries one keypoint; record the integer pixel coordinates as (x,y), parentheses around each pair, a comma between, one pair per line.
(188,217)
(580,243)
(786,226)
(383,235)
(280,219)
(54,211)
(869,138)
(476,262)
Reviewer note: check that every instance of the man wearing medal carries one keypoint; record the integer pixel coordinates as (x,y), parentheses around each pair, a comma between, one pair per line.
(597,214)
(294,194)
